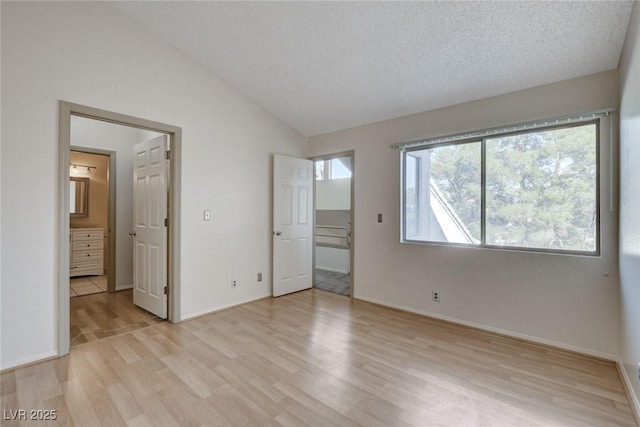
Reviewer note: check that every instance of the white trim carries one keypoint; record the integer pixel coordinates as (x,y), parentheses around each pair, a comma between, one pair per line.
(635,403)
(538,340)
(14,364)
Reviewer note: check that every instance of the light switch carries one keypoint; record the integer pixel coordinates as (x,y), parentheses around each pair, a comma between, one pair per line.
(207,215)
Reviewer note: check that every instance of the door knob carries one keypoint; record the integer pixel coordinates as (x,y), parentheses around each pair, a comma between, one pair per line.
(277,233)
(132,233)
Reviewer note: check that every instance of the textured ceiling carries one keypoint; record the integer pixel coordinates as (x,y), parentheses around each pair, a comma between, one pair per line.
(325,66)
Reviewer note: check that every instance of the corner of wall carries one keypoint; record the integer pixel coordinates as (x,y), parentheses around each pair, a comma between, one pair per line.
(629,229)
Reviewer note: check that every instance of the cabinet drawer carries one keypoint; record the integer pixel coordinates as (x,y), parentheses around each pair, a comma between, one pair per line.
(86,245)
(86,256)
(86,235)
(89,269)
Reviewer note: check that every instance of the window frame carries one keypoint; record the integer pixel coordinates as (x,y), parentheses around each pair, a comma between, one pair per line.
(483,188)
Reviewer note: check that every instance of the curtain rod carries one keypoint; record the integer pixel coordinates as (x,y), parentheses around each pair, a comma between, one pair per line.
(504,129)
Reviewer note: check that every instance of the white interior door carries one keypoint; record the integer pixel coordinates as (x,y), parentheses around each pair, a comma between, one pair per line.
(150,187)
(292,224)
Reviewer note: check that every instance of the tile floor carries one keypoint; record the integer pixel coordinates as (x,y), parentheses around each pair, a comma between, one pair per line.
(87,285)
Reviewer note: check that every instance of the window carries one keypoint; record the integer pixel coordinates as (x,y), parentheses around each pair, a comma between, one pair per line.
(530,190)
(333,169)
(443,193)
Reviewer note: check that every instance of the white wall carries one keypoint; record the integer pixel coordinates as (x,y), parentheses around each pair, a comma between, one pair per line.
(333,259)
(88,53)
(1,234)
(121,139)
(565,300)
(630,203)
(333,194)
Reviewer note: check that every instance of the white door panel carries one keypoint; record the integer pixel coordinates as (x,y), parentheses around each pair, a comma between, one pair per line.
(150,177)
(292,224)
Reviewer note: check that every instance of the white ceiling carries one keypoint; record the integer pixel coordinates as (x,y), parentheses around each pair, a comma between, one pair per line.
(325,66)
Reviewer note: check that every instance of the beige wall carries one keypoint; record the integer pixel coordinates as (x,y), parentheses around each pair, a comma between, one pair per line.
(570,301)
(630,204)
(98,196)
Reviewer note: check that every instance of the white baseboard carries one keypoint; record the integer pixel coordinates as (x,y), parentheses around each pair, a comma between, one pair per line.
(14,364)
(606,356)
(224,307)
(635,403)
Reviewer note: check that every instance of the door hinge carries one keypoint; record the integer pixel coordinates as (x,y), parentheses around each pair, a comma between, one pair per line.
(166,222)
(167,154)
(166,290)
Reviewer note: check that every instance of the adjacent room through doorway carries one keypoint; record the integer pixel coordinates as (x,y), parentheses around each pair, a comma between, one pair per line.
(333,188)
(103,228)
(88,218)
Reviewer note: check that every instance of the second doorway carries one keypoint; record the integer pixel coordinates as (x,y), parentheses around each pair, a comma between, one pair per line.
(334,223)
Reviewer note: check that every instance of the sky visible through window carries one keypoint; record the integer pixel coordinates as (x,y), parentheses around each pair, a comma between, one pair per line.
(338,168)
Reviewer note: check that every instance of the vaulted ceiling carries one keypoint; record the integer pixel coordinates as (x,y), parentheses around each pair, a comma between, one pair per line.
(325,66)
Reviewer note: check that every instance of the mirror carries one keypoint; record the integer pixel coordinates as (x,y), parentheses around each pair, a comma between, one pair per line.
(79,197)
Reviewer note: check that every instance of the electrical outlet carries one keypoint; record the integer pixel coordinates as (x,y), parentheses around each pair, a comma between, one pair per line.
(207,215)
(234,283)
(259,277)
(436,296)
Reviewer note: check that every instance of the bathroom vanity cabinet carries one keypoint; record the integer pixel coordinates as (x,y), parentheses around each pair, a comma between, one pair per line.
(87,252)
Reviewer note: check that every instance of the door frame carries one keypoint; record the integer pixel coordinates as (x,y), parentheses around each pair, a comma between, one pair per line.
(65,111)
(111,210)
(352,155)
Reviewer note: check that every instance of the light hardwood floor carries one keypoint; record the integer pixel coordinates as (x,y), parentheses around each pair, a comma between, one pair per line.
(106,314)
(319,359)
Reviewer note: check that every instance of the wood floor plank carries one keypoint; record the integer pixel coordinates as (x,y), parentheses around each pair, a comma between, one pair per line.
(106,314)
(310,359)
(124,401)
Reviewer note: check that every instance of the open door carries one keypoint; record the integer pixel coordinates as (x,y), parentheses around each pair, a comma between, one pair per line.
(150,187)
(292,224)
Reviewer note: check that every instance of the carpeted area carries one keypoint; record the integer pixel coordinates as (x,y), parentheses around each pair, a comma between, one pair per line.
(339,283)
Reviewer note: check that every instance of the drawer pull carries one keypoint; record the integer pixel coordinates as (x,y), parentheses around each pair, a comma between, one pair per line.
(88,254)
(88,245)
(88,235)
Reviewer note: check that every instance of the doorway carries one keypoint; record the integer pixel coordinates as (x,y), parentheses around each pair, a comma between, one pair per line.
(102,154)
(333,228)
(91,265)
(68,113)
